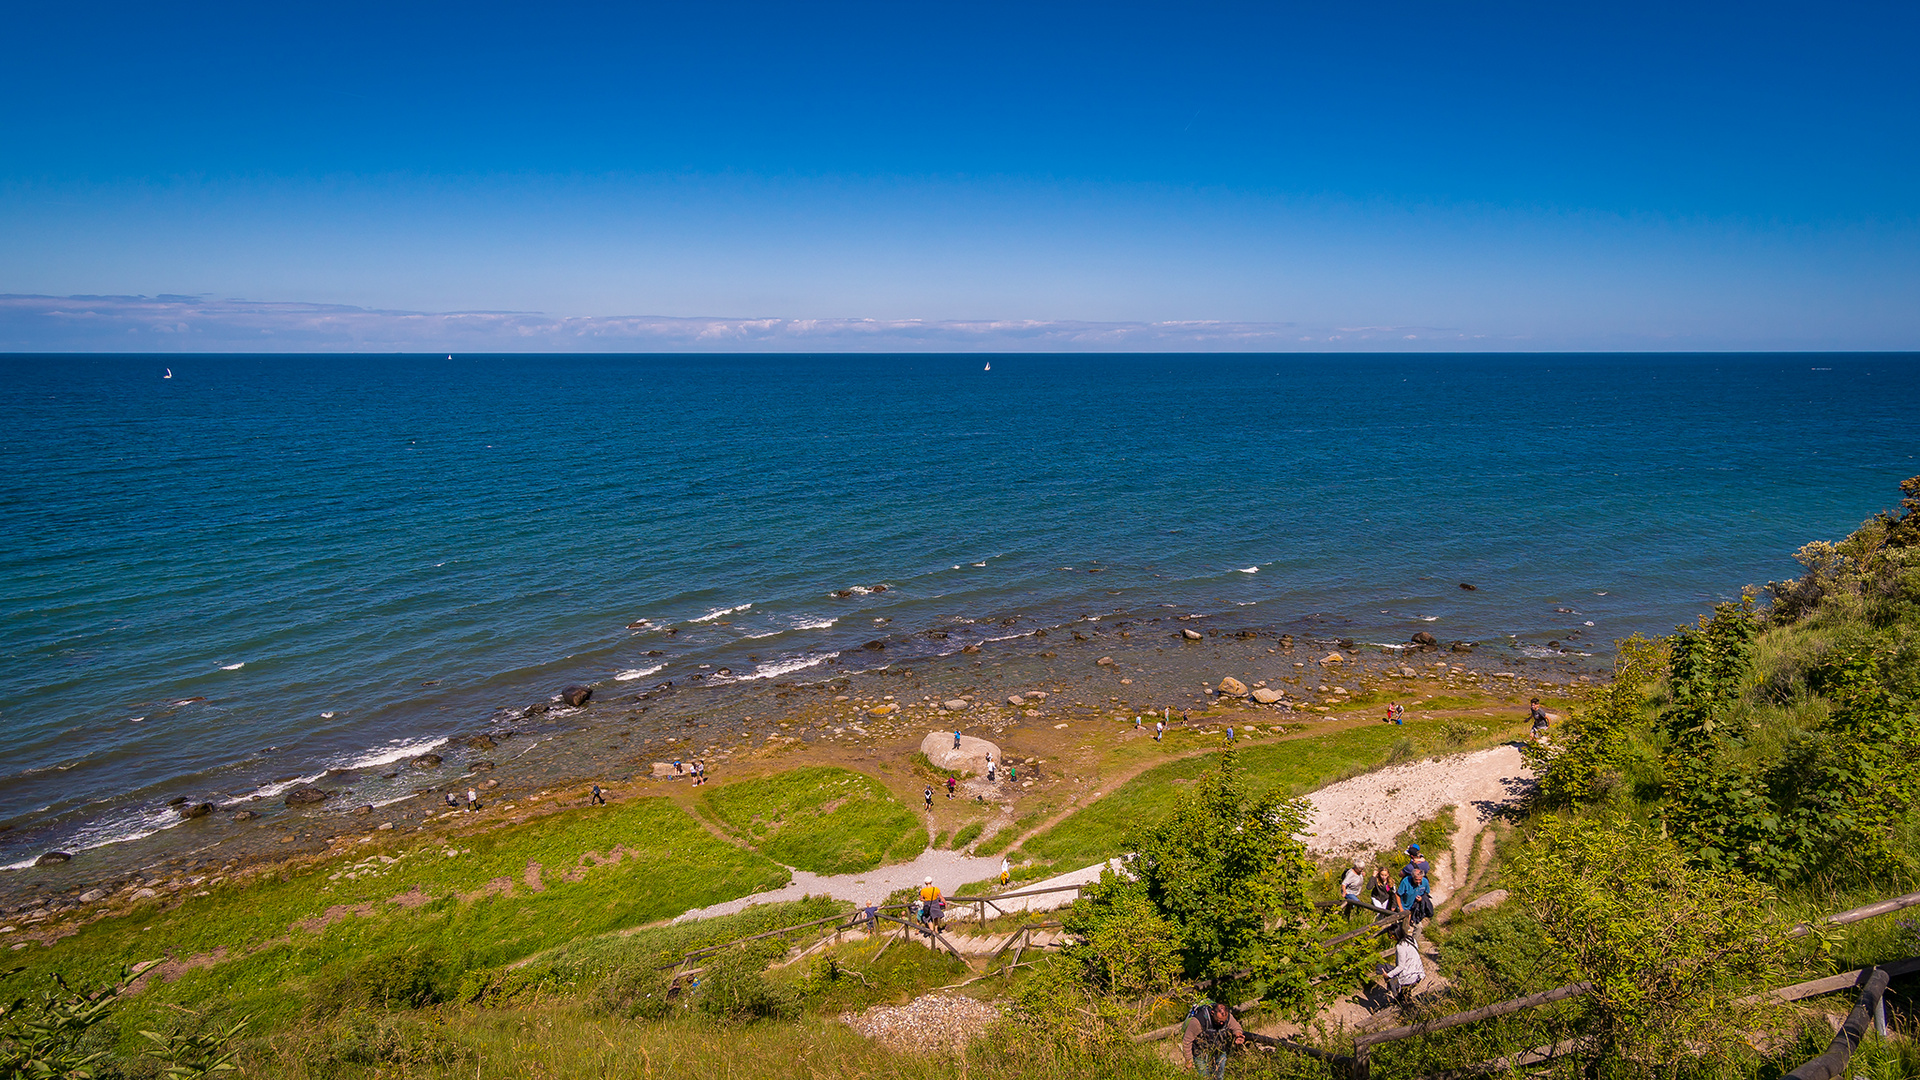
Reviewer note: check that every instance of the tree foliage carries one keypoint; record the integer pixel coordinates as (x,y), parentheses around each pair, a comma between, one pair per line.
(1582,764)
(1669,947)
(1223,886)
(42,1036)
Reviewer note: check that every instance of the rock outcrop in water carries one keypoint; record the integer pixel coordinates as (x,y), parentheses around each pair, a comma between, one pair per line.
(577,696)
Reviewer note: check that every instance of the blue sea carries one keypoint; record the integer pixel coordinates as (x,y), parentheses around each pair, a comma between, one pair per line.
(348,558)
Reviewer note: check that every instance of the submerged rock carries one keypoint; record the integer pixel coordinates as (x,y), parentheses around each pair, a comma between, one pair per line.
(306,796)
(197,810)
(53,857)
(577,696)
(426,761)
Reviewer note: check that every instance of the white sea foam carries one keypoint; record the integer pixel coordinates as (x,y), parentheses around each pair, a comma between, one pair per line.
(135,719)
(712,615)
(233,667)
(775,668)
(814,624)
(388,755)
(328,715)
(1429,618)
(137,825)
(1249,570)
(637,673)
(757,637)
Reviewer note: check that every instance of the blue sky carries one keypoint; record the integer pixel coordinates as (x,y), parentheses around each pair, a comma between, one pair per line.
(1394,175)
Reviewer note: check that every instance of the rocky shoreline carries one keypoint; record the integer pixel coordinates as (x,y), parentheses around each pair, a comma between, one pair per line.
(548,753)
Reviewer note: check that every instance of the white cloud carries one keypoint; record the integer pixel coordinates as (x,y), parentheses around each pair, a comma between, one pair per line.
(170,323)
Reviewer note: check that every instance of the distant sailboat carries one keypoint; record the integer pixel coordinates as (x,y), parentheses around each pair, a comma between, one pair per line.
(989,365)
(168,375)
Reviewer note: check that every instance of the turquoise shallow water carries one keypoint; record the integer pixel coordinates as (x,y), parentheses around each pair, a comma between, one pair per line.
(347,558)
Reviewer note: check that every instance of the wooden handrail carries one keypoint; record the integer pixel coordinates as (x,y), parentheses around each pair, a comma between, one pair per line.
(1840,1051)
(1485,1012)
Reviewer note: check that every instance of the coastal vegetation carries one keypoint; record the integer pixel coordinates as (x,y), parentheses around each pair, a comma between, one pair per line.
(1692,821)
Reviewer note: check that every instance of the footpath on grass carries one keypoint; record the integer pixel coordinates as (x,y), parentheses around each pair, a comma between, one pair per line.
(1359,818)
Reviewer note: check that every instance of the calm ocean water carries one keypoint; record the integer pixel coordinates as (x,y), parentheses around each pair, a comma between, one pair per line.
(347,558)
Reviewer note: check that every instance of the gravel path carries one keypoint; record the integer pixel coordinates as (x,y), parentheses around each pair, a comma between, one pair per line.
(1361,816)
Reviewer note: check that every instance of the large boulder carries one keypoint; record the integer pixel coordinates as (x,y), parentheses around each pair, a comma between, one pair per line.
(196,810)
(577,696)
(1267,695)
(306,796)
(53,857)
(1426,639)
(1232,687)
(427,761)
(481,742)
(969,757)
(1193,635)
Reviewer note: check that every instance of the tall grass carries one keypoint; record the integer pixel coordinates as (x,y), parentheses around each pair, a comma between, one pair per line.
(824,819)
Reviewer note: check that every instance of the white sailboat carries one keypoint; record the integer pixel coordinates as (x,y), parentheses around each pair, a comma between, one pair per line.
(168,375)
(989,365)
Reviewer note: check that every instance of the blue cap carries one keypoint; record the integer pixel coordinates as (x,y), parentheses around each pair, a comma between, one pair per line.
(1413,849)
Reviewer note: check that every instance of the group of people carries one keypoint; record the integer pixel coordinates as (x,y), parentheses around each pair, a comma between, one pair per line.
(473,800)
(698,771)
(1411,893)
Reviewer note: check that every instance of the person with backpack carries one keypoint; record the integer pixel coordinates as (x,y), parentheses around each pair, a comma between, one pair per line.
(1538,716)
(1415,897)
(1210,1031)
(1415,861)
(929,796)
(1351,883)
(951,785)
(1407,969)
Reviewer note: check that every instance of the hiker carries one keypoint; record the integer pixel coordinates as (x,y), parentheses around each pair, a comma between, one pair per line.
(1396,714)
(676,766)
(1407,969)
(932,904)
(452,802)
(1351,883)
(1229,732)
(1415,897)
(1013,773)
(1006,870)
(989,768)
(473,800)
(929,796)
(1382,896)
(951,785)
(1136,723)
(872,912)
(1539,717)
(1415,861)
(1210,1031)
(1159,730)
(956,738)
(597,799)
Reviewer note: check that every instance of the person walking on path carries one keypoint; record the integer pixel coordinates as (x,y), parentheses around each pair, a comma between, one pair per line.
(989,768)
(956,738)
(1136,723)
(1415,861)
(473,800)
(1210,1031)
(1538,716)
(1407,969)
(597,799)
(1382,896)
(929,796)
(932,904)
(1159,730)
(1013,773)
(1415,897)
(1351,884)
(951,785)
(1006,870)
(1229,732)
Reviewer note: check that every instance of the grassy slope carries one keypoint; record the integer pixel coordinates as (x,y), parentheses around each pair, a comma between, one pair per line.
(1293,767)
(824,819)
(668,864)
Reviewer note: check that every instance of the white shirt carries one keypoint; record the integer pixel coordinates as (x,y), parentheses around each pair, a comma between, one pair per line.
(1408,969)
(1351,882)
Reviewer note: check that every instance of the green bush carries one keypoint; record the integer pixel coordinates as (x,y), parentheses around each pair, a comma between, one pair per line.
(968,834)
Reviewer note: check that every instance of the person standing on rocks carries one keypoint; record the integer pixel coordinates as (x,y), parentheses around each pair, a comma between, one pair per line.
(1210,1031)
(473,800)
(453,801)
(989,768)
(956,738)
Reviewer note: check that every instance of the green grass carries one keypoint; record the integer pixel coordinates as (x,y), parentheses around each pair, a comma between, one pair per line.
(823,819)
(968,834)
(1100,831)
(466,919)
